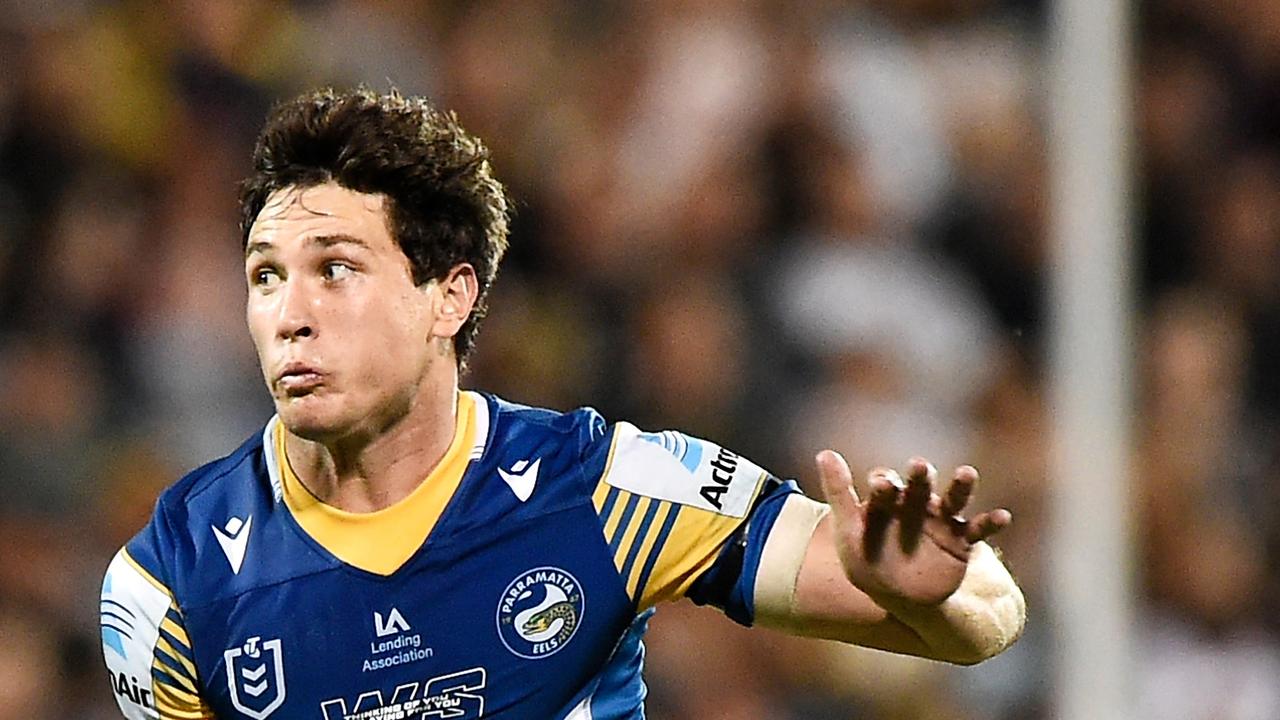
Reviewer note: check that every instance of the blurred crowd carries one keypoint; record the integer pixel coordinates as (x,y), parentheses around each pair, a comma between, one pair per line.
(780,225)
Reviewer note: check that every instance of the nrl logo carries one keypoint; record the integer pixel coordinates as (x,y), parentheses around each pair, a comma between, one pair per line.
(255,676)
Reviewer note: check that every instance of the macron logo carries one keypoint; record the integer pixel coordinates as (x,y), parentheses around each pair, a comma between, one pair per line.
(395,623)
(522,477)
(234,540)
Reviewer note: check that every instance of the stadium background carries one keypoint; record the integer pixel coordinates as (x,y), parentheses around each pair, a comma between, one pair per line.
(778,225)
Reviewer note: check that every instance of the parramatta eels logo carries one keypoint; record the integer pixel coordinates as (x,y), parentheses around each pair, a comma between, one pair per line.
(539,612)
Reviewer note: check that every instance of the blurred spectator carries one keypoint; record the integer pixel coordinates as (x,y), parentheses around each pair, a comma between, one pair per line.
(904,343)
(52,422)
(30,677)
(1204,651)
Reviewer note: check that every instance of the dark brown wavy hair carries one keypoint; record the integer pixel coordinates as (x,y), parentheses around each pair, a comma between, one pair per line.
(444,206)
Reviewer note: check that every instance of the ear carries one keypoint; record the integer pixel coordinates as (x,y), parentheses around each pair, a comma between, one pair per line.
(457,295)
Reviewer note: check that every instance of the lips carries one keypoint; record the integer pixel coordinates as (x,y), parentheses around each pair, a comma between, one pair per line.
(299,378)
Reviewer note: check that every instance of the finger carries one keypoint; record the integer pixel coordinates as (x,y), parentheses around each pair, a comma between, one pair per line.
(915,502)
(987,524)
(886,486)
(921,475)
(837,484)
(961,488)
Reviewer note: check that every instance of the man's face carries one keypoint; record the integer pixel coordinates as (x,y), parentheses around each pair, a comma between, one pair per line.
(344,337)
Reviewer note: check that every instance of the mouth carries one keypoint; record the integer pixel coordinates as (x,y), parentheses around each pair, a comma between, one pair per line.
(299,379)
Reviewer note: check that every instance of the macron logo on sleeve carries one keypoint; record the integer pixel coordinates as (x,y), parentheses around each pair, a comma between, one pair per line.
(522,478)
(234,540)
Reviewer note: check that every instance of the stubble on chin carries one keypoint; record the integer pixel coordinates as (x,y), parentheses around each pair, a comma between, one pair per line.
(303,419)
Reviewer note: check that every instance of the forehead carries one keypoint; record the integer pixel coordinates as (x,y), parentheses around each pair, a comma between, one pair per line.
(291,215)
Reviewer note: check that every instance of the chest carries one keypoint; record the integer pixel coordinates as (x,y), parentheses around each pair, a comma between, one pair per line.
(510,619)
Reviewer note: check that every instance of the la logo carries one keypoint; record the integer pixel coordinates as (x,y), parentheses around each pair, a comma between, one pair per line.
(395,623)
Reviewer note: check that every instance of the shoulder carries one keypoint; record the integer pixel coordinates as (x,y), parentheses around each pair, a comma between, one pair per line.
(224,475)
(579,426)
(569,439)
(683,469)
(165,548)
(667,465)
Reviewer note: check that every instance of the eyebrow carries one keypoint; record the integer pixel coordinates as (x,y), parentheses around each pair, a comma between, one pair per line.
(327,241)
(323,241)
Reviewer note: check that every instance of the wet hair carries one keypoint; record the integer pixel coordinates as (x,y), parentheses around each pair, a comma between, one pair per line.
(444,206)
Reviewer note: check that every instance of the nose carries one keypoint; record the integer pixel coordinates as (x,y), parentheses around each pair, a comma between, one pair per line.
(297,312)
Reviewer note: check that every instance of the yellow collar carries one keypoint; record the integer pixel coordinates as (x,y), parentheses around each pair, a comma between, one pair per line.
(381,542)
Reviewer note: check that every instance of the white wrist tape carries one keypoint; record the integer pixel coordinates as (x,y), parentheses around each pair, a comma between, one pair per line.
(783,555)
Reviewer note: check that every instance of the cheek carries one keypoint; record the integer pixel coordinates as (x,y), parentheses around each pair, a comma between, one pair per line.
(259,327)
(396,338)
(413,316)
(410,340)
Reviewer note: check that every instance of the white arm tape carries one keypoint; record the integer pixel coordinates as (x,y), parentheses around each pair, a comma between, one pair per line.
(783,555)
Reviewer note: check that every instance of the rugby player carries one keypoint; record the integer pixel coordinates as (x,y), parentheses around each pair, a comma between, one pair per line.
(390,546)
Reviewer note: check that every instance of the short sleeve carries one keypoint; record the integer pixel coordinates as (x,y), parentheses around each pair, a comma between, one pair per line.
(670,505)
(144,640)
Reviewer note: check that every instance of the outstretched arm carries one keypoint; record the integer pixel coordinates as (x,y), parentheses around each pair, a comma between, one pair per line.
(901,571)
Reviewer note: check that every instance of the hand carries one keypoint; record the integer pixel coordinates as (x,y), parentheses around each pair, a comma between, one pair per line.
(905,543)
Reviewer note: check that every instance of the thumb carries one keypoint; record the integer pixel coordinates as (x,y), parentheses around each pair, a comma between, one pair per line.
(837,485)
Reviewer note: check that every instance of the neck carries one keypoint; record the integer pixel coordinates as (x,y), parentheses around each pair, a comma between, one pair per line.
(370,471)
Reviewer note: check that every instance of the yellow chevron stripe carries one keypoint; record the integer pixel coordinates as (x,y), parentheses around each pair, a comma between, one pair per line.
(630,531)
(611,522)
(177,704)
(176,630)
(171,651)
(690,550)
(646,547)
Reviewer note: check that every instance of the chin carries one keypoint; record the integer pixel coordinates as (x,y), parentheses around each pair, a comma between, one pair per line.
(308,419)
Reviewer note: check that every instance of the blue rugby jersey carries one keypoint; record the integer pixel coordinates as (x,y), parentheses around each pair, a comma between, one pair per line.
(515,582)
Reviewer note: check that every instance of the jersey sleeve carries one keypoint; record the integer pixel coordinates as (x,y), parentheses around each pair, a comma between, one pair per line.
(144,641)
(684,517)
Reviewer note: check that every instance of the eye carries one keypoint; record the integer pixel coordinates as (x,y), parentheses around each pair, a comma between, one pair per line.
(264,277)
(334,271)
